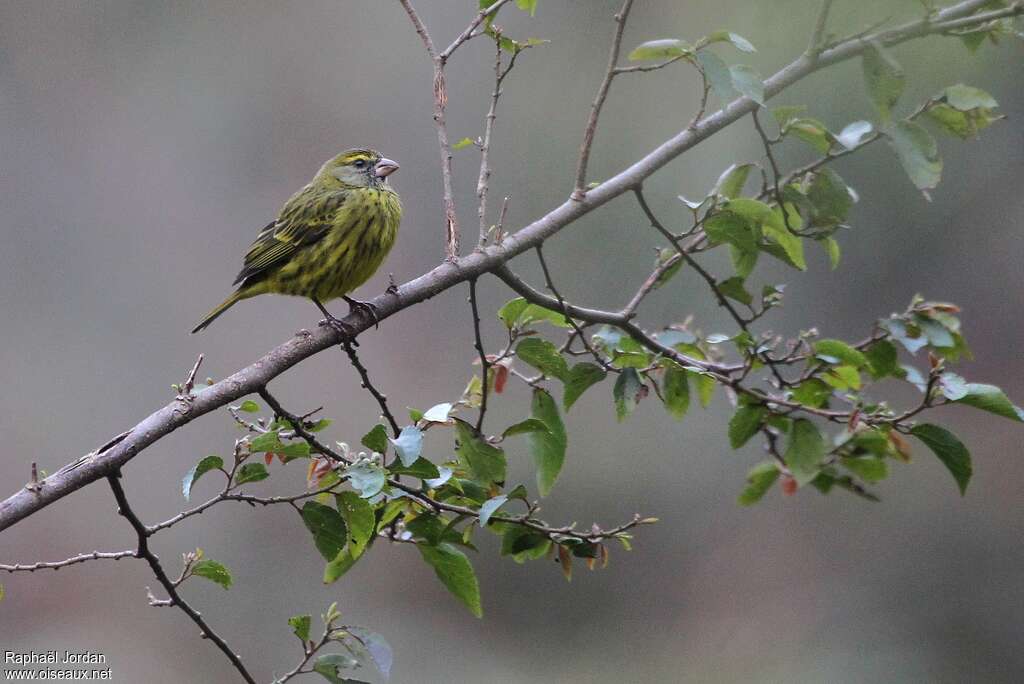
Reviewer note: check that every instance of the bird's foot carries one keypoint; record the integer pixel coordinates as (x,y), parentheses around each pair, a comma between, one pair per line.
(341,327)
(366,307)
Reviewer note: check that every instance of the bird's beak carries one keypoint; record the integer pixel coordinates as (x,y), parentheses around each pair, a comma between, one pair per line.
(385,167)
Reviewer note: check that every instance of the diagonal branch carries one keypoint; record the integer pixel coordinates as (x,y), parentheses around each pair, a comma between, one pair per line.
(168,584)
(162,422)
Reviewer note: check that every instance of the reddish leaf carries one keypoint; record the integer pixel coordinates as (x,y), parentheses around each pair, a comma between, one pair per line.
(788,485)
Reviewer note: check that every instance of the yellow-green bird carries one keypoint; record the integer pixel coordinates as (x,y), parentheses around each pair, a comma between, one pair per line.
(329,238)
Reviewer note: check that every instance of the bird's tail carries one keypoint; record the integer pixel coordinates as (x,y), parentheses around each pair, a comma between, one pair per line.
(217,311)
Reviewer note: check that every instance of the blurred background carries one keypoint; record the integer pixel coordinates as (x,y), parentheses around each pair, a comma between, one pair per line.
(145,143)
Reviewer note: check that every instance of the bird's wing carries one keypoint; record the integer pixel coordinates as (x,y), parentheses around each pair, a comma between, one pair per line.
(293,231)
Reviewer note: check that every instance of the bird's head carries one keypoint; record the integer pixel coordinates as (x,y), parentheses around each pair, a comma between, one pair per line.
(358,168)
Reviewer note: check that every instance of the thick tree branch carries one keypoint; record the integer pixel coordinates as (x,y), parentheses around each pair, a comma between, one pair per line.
(493,258)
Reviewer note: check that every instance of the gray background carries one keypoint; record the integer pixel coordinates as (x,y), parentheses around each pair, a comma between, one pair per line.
(145,143)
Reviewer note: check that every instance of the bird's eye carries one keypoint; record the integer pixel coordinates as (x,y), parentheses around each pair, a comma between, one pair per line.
(360,163)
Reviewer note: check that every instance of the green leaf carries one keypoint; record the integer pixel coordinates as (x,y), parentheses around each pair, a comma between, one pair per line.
(409,444)
(523,543)
(743,261)
(965,98)
(666,48)
(300,626)
(455,572)
(268,441)
(547,448)
(249,406)
(812,392)
(733,288)
(732,228)
(328,527)
(378,648)
(465,142)
(205,465)
(730,183)
(251,472)
(339,565)
(484,461)
(737,41)
(840,351)
(330,666)
(992,399)
(884,79)
(759,480)
(883,360)
(359,520)
(676,389)
(918,154)
(950,451)
(705,388)
(421,468)
(745,423)
(524,427)
(868,468)
(376,439)
(527,6)
(213,571)
(790,247)
(509,313)
(830,198)
(534,313)
(543,356)
(666,255)
(747,81)
(579,380)
(625,392)
(832,248)
(367,478)
(490,507)
(718,76)
(787,113)
(812,132)
(805,451)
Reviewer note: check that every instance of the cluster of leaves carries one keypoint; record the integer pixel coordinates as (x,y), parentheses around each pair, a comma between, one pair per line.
(361,647)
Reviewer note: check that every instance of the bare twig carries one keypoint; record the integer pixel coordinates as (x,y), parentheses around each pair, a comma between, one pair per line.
(154,563)
(467,33)
(57,565)
(364,377)
(817,43)
(579,183)
(485,365)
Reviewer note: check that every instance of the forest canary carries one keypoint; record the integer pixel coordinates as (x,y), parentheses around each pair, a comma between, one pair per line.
(329,238)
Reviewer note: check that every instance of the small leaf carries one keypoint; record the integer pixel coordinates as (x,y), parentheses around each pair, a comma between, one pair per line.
(918,154)
(376,439)
(205,465)
(884,79)
(747,81)
(738,41)
(626,390)
(992,399)
(251,472)
(341,564)
(882,360)
(759,480)
(332,666)
(465,142)
(490,507)
(366,478)
(509,313)
(548,447)
(359,520)
(852,135)
(409,444)
(543,356)
(579,379)
(456,573)
(527,6)
(300,626)
(745,423)
(667,48)
(868,468)
(437,413)
(837,349)
(327,526)
(378,648)
(730,183)
(949,449)
(213,571)
(525,426)
(249,406)
(805,451)
(812,132)
(676,390)
(733,289)
(718,76)
(484,461)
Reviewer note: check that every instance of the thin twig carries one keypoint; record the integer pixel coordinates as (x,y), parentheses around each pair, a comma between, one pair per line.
(467,33)
(485,365)
(817,43)
(364,377)
(579,189)
(154,563)
(80,558)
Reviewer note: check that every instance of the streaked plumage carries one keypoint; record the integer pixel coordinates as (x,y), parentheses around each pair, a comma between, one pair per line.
(330,236)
